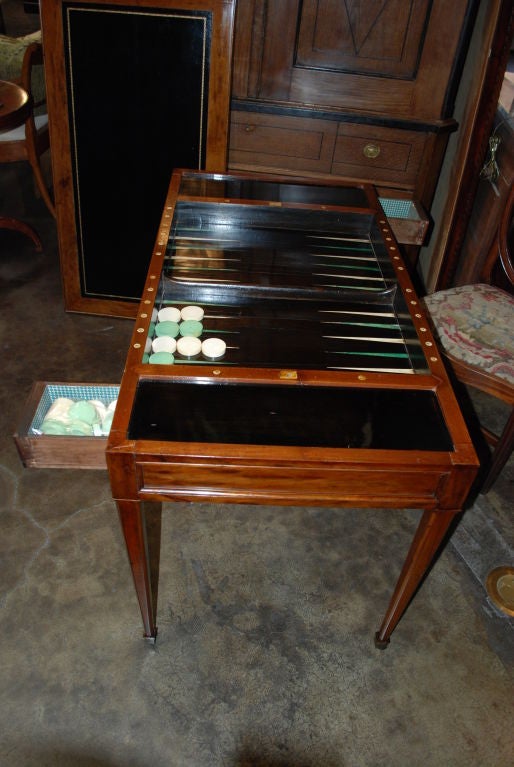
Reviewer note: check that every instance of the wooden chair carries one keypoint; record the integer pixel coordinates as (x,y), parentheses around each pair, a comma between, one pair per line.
(21,61)
(475,327)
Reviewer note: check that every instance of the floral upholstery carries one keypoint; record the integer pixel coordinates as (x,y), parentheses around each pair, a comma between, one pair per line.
(475,323)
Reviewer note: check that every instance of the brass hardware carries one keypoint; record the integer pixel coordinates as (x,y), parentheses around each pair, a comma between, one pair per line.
(249,128)
(288,375)
(500,587)
(371,151)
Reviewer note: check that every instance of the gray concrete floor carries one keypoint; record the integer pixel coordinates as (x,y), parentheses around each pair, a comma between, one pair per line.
(266,616)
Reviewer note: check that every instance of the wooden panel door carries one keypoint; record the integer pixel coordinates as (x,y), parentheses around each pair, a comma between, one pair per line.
(387,57)
(382,38)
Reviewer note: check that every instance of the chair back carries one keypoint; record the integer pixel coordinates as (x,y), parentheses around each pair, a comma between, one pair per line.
(498,268)
(21,61)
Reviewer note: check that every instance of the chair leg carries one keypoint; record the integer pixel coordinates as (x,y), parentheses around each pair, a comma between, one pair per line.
(6,222)
(33,152)
(501,454)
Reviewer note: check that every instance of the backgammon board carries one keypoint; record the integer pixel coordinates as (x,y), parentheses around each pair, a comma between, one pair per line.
(281,356)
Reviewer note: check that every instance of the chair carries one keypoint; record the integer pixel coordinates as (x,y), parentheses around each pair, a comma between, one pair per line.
(475,328)
(21,61)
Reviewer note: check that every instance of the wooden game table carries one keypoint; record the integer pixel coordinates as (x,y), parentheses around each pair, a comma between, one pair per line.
(331,390)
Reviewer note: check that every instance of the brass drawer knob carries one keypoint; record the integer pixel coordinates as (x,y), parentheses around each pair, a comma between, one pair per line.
(371,151)
(249,128)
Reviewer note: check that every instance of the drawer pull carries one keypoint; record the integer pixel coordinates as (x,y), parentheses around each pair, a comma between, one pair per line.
(249,128)
(371,151)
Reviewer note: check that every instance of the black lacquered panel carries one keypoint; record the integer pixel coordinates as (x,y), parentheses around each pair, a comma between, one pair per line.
(275,252)
(290,288)
(308,335)
(260,414)
(236,188)
(137,82)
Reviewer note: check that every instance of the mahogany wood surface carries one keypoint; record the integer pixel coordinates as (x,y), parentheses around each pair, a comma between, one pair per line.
(15,105)
(7,222)
(155,471)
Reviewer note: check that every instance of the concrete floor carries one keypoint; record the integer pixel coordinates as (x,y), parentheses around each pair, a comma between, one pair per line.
(265,654)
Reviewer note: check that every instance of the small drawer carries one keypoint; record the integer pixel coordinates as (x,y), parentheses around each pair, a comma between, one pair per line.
(278,142)
(378,154)
(408,220)
(63,451)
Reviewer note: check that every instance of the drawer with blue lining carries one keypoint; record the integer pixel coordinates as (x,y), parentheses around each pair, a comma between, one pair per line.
(66,425)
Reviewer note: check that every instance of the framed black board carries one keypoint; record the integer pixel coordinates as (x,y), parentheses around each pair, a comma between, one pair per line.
(134,91)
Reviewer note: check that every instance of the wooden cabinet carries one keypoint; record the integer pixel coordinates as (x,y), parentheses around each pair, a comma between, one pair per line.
(281,142)
(356,89)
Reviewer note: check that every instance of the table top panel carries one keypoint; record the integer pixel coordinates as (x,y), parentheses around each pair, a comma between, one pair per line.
(288,287)
(315,416)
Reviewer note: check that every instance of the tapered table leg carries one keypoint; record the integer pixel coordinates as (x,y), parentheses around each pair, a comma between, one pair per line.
(429,536)
(134,518)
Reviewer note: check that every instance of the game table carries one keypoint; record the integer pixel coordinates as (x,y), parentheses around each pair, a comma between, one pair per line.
(299,369)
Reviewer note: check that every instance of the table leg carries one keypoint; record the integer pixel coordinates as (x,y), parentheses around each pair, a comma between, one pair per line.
(140,523)
(19,226)
(431,531)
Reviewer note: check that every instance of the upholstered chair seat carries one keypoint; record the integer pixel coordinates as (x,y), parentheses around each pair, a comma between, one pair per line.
(475,323)
(475,328)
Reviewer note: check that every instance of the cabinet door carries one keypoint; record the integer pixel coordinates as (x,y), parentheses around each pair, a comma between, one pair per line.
(377,38)
(391,57)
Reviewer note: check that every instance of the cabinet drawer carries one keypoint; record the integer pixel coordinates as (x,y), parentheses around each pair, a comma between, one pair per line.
(38,450)
(267,141)
(378,154)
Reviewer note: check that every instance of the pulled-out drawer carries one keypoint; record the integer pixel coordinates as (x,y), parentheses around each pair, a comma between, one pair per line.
(67,443)
(408,220)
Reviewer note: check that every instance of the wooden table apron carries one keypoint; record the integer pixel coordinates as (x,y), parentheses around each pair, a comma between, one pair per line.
(146,472)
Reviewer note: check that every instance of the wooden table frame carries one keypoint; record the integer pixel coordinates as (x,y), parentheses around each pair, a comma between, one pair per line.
(145,473)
